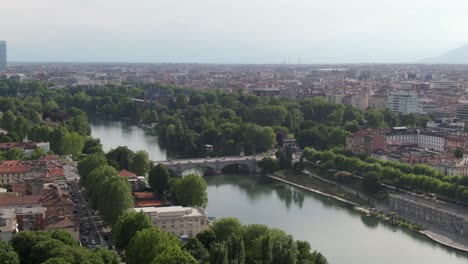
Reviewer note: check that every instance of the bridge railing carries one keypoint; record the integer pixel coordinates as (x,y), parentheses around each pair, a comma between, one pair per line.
(211,159)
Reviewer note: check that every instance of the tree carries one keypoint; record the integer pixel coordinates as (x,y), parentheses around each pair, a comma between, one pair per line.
(88,164)
(56,141)
(7,254)
(236,249)
(257,138)
(158,178)
(374,118)
(174,257)
(267,254)
(268,165)
(115,197)
(218,253)
(225,227)
(107,257)
(284,159)
(8,121)
(46,249)
(139,163)
(120,157)
(127,226)
(371,183)
(191,191)
(58,260)
(197,250)
(22,126)
(294,119)
(304,255)
(206,237)
(149,243)
(270,115)
(14,154)
(37,153)
(72,144)
(22,243)
(50,105)
(92,145)
(64,237)
(284,250)
(458,153)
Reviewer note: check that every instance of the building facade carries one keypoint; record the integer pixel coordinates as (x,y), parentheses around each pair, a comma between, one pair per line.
(403,102)
(378,102)
(366,142)
(177,220)
(3,56)
(422,139)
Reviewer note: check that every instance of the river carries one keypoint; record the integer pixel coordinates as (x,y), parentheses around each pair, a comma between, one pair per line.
(334,229)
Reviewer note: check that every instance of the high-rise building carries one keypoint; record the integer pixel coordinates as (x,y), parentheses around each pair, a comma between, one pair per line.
(403,102)
(3,56)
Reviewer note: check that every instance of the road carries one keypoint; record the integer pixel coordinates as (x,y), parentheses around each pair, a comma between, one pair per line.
(212,159)
(91,228)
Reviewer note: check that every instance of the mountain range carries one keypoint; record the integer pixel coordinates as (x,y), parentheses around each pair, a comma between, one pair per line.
(456,56)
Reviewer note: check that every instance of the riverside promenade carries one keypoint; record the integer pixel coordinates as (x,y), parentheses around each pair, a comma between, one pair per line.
(443,238)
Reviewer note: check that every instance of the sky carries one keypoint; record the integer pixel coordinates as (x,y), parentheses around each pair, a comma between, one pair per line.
(232,31)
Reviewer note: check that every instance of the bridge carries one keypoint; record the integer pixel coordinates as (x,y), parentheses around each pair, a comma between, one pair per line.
(212,165)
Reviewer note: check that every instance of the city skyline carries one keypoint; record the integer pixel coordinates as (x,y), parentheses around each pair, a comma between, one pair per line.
(208,31)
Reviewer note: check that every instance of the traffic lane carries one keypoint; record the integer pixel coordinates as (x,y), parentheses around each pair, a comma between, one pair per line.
(90,221)
(94,230)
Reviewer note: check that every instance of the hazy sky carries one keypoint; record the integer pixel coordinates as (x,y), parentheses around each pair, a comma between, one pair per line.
(234,31)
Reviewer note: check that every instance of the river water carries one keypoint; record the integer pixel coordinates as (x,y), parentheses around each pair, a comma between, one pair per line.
(334,229)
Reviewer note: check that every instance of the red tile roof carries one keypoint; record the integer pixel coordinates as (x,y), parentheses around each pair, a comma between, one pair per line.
(148,203)
(13,166)
(61,223)
(126,173)
(15,199)
(143,195)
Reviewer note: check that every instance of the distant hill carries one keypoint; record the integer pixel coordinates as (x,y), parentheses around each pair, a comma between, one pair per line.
(456,56)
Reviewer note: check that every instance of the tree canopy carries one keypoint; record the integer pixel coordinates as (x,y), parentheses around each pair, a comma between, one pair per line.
(191,191)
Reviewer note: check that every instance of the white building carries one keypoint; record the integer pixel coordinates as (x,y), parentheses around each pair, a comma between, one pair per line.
(177,220)
(458,168)
(444,85)
(429,140)
(335,98)
(8,223)
(360,101)
(403,102)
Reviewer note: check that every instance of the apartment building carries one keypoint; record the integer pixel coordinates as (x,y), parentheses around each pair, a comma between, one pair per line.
(177,220)
(423,139)
(360,101)
(335,98)
(378,102)
(8,224)
(454,168)
(366,141)
(403,102)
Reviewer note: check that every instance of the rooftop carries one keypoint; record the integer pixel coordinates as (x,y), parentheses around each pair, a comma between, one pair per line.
(15,199)
(171,211)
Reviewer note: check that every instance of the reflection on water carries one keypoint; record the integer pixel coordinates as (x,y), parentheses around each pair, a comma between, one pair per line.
(331,227)
(119,133)
(340,233)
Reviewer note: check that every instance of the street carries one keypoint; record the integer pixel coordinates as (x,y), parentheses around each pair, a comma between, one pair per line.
(91,228)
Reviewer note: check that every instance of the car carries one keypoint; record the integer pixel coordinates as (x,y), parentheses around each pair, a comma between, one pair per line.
(93,242)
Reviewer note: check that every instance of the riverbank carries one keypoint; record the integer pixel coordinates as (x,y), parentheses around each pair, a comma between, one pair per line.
(442,239)
(323,187)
